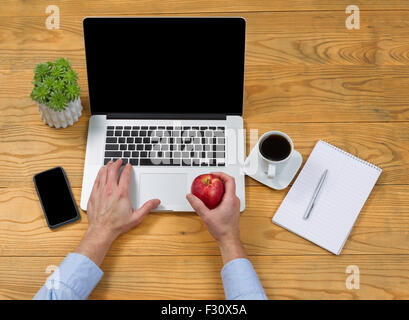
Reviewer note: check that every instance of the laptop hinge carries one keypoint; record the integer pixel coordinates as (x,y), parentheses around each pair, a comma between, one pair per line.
(168,116)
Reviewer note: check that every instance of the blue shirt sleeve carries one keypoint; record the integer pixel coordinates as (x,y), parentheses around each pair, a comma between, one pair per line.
(241,282)
(74,279)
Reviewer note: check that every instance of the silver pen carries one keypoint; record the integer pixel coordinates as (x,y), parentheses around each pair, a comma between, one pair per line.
(315,195)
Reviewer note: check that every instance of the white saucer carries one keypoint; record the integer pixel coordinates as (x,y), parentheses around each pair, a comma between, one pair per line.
(283,177)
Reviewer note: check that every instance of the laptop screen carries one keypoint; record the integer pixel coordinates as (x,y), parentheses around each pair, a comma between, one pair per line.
(165,65)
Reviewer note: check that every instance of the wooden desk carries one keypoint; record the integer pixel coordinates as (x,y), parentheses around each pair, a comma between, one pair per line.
(306,75)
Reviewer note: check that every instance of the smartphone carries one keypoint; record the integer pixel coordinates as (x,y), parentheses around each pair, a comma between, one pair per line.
(56,197)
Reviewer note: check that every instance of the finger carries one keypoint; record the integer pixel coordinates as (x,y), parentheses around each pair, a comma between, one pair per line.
(97,181)
(125,177)
(229,182)
(113,171)
(103,177)
(197,205)
(139,214)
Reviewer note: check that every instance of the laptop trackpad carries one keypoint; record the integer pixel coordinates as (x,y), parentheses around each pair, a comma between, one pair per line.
(169,188)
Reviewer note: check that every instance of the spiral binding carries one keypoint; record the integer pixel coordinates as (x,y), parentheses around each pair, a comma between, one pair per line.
(352,156)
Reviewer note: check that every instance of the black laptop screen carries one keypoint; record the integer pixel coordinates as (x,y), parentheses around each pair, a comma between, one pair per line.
(165,65)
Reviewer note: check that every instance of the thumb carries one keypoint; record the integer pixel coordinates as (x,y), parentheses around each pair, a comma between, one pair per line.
(139,214)
(197,205)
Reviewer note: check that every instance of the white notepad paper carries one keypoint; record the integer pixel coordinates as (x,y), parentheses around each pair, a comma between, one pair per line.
(347,186)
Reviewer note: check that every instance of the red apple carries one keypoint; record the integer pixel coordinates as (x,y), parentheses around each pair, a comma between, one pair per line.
(209,189)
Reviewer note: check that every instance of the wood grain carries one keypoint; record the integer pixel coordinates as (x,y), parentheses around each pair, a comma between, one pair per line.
(296,94)
(123,7)
(193,277)
(28,149)
(273,39)
(382,228)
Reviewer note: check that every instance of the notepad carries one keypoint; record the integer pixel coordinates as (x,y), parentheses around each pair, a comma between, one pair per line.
(346,188)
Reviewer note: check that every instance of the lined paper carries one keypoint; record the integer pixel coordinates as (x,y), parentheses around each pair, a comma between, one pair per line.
(348,184)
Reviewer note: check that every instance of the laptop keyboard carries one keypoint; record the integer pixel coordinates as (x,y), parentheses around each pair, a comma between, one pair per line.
(166,145)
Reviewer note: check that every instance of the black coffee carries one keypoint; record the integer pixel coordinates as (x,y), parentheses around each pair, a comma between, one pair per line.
(275,148)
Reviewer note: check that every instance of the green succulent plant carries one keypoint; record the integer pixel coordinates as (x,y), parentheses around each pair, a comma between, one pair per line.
(55,84)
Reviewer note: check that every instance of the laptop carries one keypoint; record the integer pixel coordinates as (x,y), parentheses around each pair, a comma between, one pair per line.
(166,96)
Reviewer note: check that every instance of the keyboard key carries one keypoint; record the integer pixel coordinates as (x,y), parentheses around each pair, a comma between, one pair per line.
(221,140)
(212,162)
(148,147)
(111,140)
(110,127)
(127,154)
(113,153)
(106,160)
(131,147)
(146,140)
(143,154)
(212,128)
(161,128)
(144,128)
(136,127)
(186,162)
(134,133)
(218,134)
(118,133)
(148,162)
(221,164)
(121,140)
(123,147)
(111,147)
(218,147)
(110,133)
(139,147)
(124,161)
(152,127)
(127,128)
(220,128)
(135,154)
(126,133)
(119,127)
(195,162)
(133,162)
(186,128)
(169,128)
(138,140)
(219,154)
(129,140)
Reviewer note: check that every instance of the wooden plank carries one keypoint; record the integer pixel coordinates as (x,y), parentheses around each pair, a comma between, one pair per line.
(294,94)
(123,7)
(382,228)
(288,277)
(27,150)
(273,38)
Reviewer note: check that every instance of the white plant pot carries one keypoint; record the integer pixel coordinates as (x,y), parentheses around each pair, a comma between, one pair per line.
(64,118)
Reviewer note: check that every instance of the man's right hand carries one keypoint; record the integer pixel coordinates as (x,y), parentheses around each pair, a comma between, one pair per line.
(223,222)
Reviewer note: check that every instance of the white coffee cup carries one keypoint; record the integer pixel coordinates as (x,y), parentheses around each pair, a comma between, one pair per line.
(269,166)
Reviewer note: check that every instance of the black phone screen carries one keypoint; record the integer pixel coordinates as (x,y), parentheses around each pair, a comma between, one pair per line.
(56,198)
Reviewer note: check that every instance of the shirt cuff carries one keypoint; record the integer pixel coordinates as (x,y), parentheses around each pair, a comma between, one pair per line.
(80,274)
(241,282)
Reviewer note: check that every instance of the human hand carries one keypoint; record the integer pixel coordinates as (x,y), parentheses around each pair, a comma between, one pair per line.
(223,222)
(109,209)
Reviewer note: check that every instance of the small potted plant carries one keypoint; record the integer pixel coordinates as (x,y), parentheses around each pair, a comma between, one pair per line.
(57,93)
